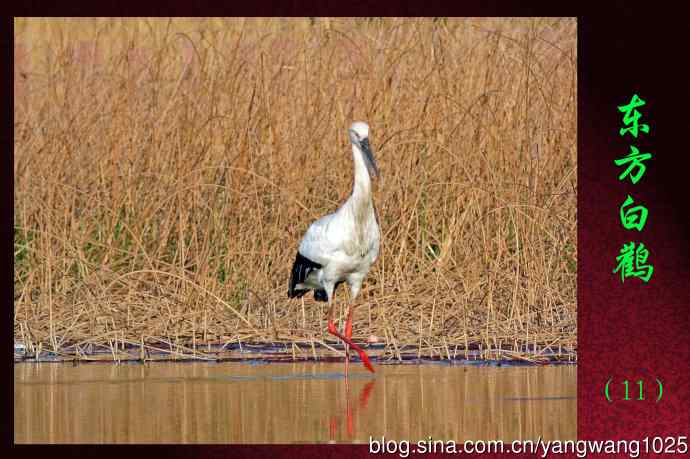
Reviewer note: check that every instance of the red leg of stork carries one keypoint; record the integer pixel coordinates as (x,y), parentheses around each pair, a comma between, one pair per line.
(347,360)
(346,339)
(348,335)
(348,324)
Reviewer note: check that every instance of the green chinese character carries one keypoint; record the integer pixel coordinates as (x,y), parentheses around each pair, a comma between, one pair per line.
(631,262)
(635,159)
(632,116)
(635,217)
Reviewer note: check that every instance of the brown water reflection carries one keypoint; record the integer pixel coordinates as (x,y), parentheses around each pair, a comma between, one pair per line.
(284,403)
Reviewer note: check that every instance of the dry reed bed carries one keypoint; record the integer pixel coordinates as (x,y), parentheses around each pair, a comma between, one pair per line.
(165,171)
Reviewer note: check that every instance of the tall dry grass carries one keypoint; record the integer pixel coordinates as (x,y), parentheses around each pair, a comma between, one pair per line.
(165,171)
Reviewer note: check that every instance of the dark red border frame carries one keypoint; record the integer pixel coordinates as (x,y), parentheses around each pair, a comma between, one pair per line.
(628,331)
(631,330)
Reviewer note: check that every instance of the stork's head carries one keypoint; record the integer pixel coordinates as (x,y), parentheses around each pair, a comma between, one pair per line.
(359,136)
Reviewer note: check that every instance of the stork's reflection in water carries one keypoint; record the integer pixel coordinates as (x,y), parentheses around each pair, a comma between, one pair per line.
(352,406)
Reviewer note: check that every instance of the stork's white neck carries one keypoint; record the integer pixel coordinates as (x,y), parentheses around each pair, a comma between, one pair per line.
(361,190)
(360,203)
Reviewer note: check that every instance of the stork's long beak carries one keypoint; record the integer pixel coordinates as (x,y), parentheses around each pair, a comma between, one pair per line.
(369,158)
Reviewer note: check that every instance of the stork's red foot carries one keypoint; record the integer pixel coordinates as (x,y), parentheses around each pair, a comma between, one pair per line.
(362,355)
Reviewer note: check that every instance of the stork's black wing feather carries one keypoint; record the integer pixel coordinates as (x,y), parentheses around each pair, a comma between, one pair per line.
(300,270)
(320,295)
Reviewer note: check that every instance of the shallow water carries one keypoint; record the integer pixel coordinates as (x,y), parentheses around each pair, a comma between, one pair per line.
(289,403)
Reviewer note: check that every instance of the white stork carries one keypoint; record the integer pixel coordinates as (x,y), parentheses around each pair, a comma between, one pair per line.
(342,246)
